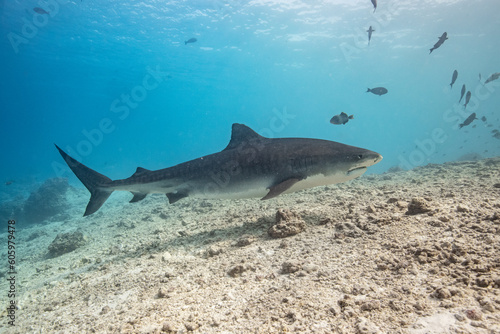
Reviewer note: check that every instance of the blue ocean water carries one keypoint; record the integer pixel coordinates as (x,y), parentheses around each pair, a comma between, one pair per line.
(115,85)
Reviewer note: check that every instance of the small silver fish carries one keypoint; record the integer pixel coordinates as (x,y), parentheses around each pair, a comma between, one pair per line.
(469,120)
(342,118)
(378,91)
(440,41)
(467,98)
(462,93)
(369,31)
(492,77)
(454,78)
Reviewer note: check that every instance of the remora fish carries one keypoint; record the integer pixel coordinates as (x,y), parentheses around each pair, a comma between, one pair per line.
(369,31)
(378,90)
(492,77)
(191,40)
(454,78)
(468,120)
(342,118)
(374,3)
(462,93)
(441,40)
(250,166)
(467,98)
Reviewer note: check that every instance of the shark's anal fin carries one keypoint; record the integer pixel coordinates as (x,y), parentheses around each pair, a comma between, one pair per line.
(174,197)
(137,197)
(281,187)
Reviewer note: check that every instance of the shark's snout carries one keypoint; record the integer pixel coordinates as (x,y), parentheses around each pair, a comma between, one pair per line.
(370,159)
(367,160)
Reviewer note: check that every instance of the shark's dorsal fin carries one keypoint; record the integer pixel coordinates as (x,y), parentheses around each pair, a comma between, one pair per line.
(240,134)
(140,171)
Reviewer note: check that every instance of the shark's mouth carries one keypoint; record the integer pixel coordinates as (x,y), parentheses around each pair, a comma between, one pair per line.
(361,169)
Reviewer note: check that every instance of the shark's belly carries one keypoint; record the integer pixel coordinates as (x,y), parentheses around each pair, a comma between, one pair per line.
(231,190)
(258,188)
(237,187)
(318,180)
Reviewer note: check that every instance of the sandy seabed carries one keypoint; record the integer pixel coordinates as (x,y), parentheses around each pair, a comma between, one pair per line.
(405,252)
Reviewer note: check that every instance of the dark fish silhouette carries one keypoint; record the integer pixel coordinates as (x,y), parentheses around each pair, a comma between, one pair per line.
(462,93)
(479,77)
(492,77)
(440,41)
(467,98)
(378,90)
(342,118)
(374,2)
(191,40)
(8,183)
(469,120)
(454,78)
(40,10)
(496,134)
(369,31)
(483,118)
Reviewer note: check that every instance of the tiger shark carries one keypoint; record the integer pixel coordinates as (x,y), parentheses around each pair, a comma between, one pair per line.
(251,166)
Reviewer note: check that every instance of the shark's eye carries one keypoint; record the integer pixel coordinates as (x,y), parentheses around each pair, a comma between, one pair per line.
(360,156)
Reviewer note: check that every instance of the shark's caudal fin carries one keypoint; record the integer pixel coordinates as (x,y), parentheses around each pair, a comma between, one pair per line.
(92,180)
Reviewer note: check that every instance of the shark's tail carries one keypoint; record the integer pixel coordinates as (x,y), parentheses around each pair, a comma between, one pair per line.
(92,180)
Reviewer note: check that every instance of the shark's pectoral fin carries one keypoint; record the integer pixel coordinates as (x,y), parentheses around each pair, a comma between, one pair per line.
(138,197)
(281,187)
(174,197)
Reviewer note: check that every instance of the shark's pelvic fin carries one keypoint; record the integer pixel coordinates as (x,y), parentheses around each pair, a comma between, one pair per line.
(92,180)
(281,187)
(174,197)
